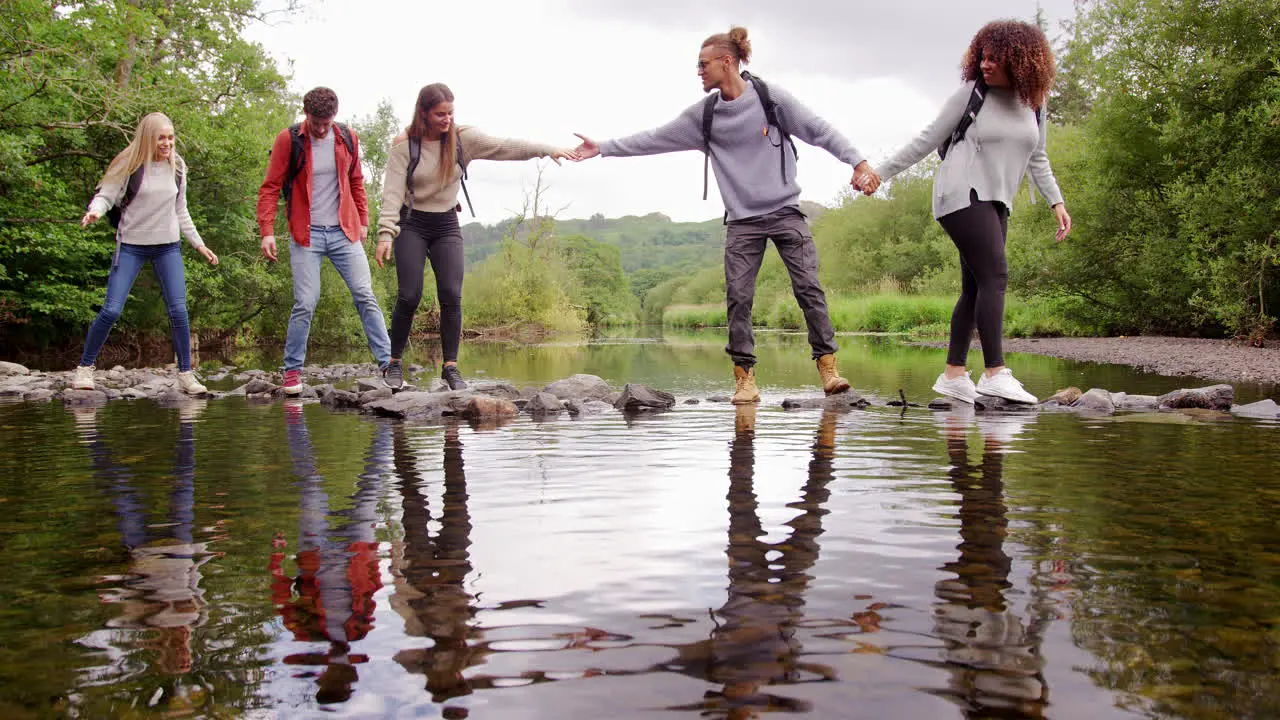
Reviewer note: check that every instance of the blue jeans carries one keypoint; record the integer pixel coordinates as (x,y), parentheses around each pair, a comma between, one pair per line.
(349,260)
(166,260)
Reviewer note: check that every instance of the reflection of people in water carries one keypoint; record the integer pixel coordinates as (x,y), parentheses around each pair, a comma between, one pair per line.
(162,592)
(432,570)
(331,598)
(754,642)
(994,656)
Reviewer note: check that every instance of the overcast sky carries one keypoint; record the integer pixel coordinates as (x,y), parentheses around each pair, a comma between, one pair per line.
(544,69)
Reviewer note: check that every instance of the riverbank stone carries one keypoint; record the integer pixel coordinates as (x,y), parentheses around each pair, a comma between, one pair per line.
(1213,397)
(1263,410)
(10,368)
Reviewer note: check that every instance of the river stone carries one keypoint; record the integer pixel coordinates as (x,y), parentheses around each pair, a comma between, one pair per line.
(1125,401)
(635,396)
(838,402)
(71,396)
(587,407)
(438,385)
(527,392)
(39,395)
(112,393)
(692,401)
(482,407)
(988,403)
(505,391)
(16,387)
(366,384)
(942,403)
(1065,396)
(580,387)
(381,393)
(407,405)
(257,386)
(1266,409)
(720,399)
(132,394)
(544,403)
(1213,397)
(9,368)
(340,399)
(1095,402)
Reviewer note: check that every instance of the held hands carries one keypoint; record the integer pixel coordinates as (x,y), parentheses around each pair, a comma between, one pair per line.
(865,178)
(269,247)
(1064,221)
(208,254)
(89,218)
(383,252)
(565,154)
(588,149)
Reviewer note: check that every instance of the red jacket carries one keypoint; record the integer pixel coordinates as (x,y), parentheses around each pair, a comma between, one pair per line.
(353,206)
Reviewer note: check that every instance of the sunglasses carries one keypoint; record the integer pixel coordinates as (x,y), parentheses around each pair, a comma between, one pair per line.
(702,64)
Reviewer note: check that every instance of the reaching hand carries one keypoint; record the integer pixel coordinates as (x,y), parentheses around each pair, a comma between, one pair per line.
(269,247)
(565,154)
(865,178)
(383,253)
(588,149)
(208,254)
(1064,221)
(88,218)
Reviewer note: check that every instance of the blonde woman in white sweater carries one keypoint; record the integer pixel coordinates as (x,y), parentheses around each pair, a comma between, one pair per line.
(146,183)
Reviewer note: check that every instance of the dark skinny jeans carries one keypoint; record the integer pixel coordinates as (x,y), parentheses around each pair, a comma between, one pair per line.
(979,232)
(435,236)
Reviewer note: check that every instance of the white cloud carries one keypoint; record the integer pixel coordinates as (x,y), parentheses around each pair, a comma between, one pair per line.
(544,70)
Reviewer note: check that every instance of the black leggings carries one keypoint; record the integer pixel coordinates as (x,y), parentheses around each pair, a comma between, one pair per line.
(979,232)
(433,235)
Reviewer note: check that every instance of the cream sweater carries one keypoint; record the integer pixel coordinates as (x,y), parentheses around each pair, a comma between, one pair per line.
(157,214)
(429,194)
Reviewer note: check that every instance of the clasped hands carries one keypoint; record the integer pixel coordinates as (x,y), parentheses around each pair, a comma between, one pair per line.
(865,178)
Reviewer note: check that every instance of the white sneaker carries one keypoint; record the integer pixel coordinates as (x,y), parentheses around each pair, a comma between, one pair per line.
(1004,385)
(188,383)
(83,378)
(959,388)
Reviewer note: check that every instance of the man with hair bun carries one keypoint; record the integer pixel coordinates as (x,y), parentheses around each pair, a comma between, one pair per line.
(745,129)
(315,165)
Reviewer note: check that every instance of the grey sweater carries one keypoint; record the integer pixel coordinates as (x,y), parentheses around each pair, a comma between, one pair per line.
(1002,146)
(156,214)
(745,160)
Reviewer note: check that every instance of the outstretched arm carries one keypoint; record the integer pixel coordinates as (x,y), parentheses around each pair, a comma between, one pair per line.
(929,140)
(479,146)
(682,133)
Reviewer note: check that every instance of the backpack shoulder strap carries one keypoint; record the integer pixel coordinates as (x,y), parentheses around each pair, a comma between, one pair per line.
(415,154)
(708,113)
(461,156)
(971,109)
(772,117)
(132,187)
(344,132)
(296,158)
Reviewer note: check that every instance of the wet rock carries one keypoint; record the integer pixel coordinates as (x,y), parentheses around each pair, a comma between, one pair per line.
(9,368)
(492,389)
(839,402)
(720,399)
(1065,397)
(482,407)
(528,392)
(692,401)
(438,385)
(1213,397)
(1265,409)
(613,398)
(308,392)
(367,384)
(635,396)
(178,399)
(84,397)
(381,393)
(322,390)
(587,407)
(257,386)
(241,391)
(986,403)
(416,405)
(340,399)
(942,404)
(1125,401)
(544,403)
(136,394)
(580,387)
(112,393)
(16,387)
(115,374)
(217,377)
(1095,402)
(40,395)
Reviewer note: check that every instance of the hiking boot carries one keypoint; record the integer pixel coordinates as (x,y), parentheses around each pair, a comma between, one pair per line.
(959,388)
(190,384)
(292,382)
(747,391)
(393,375)
(83,378)
(1004,385)
(451,375)
(832,383)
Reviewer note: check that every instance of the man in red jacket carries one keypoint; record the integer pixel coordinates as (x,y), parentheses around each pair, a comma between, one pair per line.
(316,166)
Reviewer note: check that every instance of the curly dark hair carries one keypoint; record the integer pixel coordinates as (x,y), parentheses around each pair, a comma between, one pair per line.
(1024,50)
(320,102)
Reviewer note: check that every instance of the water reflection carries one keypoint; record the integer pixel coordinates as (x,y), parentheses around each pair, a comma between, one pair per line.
(431,571)
(754,643)
(331,597)
(158,599)
(992,652)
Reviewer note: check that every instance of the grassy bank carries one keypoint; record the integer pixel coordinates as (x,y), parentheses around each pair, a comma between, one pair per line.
(919,315)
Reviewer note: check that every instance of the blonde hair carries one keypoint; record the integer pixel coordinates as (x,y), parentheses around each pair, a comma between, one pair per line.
(734,43)
(140,150)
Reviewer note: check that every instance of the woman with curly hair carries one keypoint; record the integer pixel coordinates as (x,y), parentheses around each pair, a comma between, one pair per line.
(1009,65)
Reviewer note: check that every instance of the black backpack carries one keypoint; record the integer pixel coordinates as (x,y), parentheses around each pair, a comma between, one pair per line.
(771,117)
(415,154)
(297,157)
(971,109)
(115,212)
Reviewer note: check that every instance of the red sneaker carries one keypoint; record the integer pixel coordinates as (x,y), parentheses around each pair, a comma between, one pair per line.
(292,382)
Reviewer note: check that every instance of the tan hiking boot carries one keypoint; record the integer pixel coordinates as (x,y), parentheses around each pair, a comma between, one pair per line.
(747,391)
(832,383)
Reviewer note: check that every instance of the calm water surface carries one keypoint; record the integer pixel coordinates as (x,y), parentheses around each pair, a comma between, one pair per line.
(288,561)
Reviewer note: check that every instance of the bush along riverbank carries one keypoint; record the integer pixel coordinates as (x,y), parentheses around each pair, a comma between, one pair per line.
(356,387)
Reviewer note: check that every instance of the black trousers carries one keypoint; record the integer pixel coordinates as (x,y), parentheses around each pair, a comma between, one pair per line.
(435,236)
(979,232)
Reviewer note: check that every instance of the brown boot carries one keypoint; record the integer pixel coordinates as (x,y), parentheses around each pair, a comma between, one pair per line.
(832,383)
(747,391)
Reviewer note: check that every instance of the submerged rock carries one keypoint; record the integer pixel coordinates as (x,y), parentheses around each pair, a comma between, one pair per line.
(1125,401)
(635,396)
(846,400)
(1096,402)
(544,403)
(942,403)
(72,396)
(989,403)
